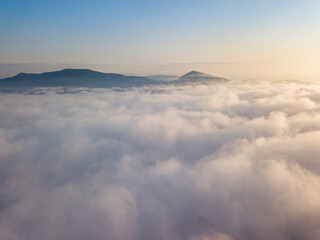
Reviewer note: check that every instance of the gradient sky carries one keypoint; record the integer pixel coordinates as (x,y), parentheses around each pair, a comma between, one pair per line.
(271,39)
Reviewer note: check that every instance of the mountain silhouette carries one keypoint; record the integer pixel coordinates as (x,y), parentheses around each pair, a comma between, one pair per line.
(199,77)
(74,78)
(92,79)
(165,78)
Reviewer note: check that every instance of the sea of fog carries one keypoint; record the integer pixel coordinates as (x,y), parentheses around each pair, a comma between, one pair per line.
(234,161)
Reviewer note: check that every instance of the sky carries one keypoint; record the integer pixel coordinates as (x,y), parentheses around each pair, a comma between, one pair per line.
(236,39)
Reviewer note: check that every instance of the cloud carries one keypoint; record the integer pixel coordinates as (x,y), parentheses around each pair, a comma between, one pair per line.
(222,162)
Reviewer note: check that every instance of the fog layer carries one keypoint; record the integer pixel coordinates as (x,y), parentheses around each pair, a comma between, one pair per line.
(219,162)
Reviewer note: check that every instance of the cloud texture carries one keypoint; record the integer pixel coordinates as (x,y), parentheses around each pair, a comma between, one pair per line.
(238,161)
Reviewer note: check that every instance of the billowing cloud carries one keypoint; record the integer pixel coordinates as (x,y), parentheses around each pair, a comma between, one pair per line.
(236,161)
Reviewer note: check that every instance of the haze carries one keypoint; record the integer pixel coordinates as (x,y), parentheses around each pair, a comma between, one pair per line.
(236,39)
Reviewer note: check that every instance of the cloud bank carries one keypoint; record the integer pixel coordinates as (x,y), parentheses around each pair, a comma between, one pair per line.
(219,162)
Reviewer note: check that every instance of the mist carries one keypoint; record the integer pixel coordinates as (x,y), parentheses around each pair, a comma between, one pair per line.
(233,161)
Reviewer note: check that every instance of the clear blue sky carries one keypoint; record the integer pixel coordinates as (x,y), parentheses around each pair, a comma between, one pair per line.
(236,38)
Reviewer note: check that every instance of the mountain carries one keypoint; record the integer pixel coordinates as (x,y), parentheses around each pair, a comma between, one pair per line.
(74,78)
(199,77)
(92,79)
(165,78)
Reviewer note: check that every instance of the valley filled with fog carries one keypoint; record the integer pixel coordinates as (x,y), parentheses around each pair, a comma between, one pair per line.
(232,161)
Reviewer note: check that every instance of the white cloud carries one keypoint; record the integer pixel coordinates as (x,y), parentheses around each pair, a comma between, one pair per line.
(235,161)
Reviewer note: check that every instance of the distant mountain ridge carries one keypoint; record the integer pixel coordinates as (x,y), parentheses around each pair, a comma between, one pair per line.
(93,79)
(195,77)
(79,73)
(74,78)
(194,74)
(166,78)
